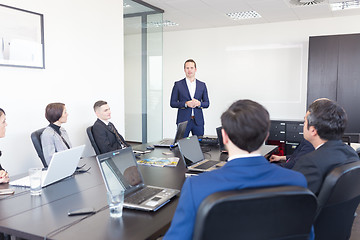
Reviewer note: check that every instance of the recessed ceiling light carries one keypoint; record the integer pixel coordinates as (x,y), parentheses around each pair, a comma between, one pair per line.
(125,5)
(164,23)
(345,5)
(243,15)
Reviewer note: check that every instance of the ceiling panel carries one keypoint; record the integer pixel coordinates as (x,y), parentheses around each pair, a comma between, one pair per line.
(193,14)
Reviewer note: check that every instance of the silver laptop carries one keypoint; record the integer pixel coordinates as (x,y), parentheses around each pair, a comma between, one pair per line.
(167,142)
(63,164)
(119,170)
(194,158)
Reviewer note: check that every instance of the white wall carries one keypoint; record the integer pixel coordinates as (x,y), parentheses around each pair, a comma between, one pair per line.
(84,63)
(266,63)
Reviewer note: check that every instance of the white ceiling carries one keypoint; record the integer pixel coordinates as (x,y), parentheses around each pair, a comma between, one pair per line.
(194,14)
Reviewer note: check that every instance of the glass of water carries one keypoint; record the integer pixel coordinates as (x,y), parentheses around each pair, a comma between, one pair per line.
(35,181)
(116,201)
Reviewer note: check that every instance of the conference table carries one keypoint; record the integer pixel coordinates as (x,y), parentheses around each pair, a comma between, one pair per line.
(45,216)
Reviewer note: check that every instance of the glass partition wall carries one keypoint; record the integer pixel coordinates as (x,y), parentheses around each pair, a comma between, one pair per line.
(143,43)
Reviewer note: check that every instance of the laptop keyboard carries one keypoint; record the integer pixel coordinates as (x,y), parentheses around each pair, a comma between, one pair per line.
(207,164)
(142,195)
(165,141)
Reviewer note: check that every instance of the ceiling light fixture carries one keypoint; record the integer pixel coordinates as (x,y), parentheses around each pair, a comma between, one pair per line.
(164,23)
(345,5)
(306,2)
(125,5)
(243,15)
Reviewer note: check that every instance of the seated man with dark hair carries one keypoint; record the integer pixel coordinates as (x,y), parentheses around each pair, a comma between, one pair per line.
(106,136)
(324,125)
(245,128)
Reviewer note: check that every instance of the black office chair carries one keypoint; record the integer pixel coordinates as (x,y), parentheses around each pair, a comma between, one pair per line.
(264,213)
(36,140)
(92,140)
(338,199)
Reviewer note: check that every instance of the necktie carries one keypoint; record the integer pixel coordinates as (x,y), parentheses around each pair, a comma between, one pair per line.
(118,137)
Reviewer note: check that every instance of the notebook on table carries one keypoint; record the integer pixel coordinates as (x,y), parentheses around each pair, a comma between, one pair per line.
(63,164)
(193,156)
(120,171)
(167,142)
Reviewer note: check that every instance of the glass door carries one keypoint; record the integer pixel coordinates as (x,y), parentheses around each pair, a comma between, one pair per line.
(143,71)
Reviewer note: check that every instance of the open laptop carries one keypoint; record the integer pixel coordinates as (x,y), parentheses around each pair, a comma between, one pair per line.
(167,142)
(194,158)
(119,170)
(63,164)
(221,143)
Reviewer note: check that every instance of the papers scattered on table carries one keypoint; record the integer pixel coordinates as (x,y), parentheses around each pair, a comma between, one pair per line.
(159,162)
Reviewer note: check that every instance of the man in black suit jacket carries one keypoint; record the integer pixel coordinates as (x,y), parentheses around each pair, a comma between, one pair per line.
(106,136)
(324,125)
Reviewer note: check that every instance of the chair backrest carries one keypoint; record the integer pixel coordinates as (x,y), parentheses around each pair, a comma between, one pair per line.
(338,199)
(264,213)
(36,140)
(92,140)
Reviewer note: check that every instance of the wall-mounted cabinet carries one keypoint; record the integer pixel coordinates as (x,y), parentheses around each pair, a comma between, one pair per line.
(334,73)
(286,134)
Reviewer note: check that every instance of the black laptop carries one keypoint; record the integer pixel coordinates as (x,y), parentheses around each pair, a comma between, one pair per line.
(221,143)
(193,156)
(168,142)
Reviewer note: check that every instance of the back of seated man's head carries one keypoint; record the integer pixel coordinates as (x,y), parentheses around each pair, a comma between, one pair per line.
(328,118)
(247,124)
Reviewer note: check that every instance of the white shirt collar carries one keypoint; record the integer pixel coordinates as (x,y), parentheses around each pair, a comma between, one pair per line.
(243,156)
(104,121)
(189,82)
(319,146)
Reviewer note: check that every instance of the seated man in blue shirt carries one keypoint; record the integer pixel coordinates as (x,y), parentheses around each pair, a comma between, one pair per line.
(245,128)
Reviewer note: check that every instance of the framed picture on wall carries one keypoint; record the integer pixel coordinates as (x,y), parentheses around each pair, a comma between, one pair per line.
(21,38)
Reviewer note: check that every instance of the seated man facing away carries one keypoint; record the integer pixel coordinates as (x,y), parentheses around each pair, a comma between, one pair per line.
(324,125)
(289,160)
(245,128)
(106,136)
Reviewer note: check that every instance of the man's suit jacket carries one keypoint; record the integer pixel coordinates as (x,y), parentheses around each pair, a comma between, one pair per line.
(241,173)
(105,139)
(180,95)
(316,165)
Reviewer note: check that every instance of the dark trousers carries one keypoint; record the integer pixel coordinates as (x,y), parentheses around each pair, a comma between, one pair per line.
(191,126)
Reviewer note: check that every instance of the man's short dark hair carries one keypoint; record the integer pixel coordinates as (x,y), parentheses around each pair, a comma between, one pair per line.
(328,118)
(247,124)
(190,60)
(2,112)
(99,104)
(54,111)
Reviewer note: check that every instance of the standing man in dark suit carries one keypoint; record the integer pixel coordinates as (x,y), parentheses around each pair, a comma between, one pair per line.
(190,96)
(106,136)
(324,125)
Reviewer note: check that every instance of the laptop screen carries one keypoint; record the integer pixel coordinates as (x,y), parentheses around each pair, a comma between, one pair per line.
(119,170)
(221,143)
(180,131)
(190,150)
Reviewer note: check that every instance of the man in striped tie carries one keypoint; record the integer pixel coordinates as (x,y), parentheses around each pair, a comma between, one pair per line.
(106,136)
